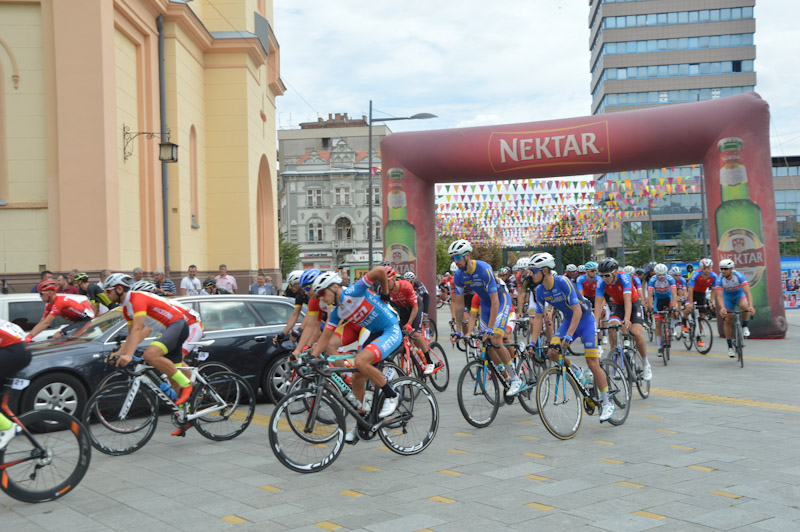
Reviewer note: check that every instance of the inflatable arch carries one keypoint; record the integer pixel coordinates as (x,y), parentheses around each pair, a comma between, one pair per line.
(729,136)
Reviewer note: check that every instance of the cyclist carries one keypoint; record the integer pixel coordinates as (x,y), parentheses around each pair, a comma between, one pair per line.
(680,287)
(67,306)
(404,299)
(661,288)
(637,282)
(300,299)
(293,288)
(571,272)
(94,292)
(504,274)
(361,306)
(578,321)
(732,289)
(495,303)
(626,309)
(144,313)
(700,281)
(581,270)
(13,358)
(456,320)
(420,289)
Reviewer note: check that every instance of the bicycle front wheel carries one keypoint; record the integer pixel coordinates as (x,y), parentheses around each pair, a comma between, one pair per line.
(739,339)
(619,392)
(440,378)
(559,401)
(412,427)
(54,470)
(229,402)
(638,372)
(432,331)
(688,338)
(478,394)
(527,392)
(705,336)
(119,420)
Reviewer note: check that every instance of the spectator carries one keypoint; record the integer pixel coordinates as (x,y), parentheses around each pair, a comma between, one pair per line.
(164,287)
(345,277)
(97,297)
(45,276)
(210,288)
(138,274)
(63,285)
(270,287)
(225,281)
(190,285)
(261,287)
(71,277)
(103,276)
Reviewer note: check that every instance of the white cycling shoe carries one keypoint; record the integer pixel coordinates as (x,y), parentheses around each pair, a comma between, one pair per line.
(352,436)
(731,352)
(514,388)
(647,372)
(607,412)
(746,332)
(389,406)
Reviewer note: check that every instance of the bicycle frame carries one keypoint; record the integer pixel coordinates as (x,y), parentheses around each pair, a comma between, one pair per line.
(39,451)
(489,363)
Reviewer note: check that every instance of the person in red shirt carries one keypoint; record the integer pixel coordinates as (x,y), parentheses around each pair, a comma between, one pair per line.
(404,300)
(64,287)
(67,306)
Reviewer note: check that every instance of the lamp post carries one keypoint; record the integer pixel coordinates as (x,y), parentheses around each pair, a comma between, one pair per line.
(418,116)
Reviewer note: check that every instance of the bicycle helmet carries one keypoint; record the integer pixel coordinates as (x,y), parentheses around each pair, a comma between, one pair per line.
(581,268)
(725,263)
(571,268)
(410,277)
(540,260)
(326,279)
(608,265)
(504,271)
(294,277)
(308,276)
(630,270)
(385,263)
(44,286)
(391,273)
(144,286)
(118,279)
(459,247)
(453,267)
(706,263)
(674,271)
(639,271)
(591,265)
(660,269)
(208,283)
(522,264)
(80,277)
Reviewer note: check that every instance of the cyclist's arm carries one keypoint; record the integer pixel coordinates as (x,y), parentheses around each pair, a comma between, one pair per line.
(413,315)
(577,314)
(627,298)
(457,306)
(292,319)
(538,320)
(674,297)
(308,326)
(137,331)
(44,324)
(322,343)
(599,302)
(473,317)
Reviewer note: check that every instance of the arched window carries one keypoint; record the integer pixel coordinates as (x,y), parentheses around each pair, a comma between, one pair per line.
(344,229)
(377,229)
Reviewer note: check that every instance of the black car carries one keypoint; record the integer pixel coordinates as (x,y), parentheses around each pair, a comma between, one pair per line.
(65,372)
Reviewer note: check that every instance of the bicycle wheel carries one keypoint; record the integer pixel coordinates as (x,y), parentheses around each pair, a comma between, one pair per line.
(414,424)
(677,329)
(39,476)
(559,401)
(650,327)
(665,341)
(231,404)
(441,377)
(478,394)
(688,338)
(667,346)
(704,335)
(120,421)
(432,331)
(739,341)
(440,302)
(638,371)
(618,391)
(527,372)
(296,436)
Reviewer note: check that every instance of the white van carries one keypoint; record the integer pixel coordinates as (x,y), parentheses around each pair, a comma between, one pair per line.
(26,310)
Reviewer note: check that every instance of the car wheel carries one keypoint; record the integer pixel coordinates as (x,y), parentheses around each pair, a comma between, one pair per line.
(277,378)
(55,391)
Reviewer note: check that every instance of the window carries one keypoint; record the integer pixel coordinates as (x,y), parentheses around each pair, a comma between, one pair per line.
(272,313)
(715,93)
(377,229)
(326,143)
(737,66)
(344,230)
(314,197)
(226,315)
(315,232)
(341,196)
(376,196)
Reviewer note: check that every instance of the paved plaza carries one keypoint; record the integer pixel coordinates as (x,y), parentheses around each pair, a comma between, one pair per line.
(713,448)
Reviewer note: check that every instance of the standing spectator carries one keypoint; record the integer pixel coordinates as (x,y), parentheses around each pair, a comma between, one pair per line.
(190,285)
(164,287)
(225,281)
(63,285)
(260,287)
(45,276)
(103,276)
(71,277)
(270,287)
(345,277)
(138,274)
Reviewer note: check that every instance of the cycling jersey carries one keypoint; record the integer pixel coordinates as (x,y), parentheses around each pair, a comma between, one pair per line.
(98,296)
(680,282)
(511,283)
(637,283)
(701,283)
(562,295)
(405,296)
(70,307)
(158,312)
(195,326)
(734,285)
(10,334)
(480,280)
(300,299)
(662,289)
(622,286)
(587,287)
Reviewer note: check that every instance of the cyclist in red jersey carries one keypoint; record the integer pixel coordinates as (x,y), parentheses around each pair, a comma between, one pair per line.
(404,300)
(67,306)
(13,358)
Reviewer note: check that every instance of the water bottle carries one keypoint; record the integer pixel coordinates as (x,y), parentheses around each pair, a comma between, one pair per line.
(368,400)
(389,374)
(351,398)
(588,379)
(167,389)
(627,342)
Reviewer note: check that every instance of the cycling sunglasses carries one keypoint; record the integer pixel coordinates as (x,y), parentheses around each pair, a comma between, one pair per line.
(457,258)
(607,275)
(307,288)
(726,268)
(534,270)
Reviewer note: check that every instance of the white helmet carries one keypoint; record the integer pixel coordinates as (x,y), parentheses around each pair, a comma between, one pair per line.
(294,277)
(453,267)
(144,286)
(630,270)
(706,263)
(660,269)
(571,268)
(325,279)
(725,263)
(674,271)
(540,260)
(459,247)
(409,276)
(581,268)
(521,264)
(118,279)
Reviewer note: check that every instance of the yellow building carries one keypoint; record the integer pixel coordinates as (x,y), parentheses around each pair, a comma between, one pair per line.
(78,187)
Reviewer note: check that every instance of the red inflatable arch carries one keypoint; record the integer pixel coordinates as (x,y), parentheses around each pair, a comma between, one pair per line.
(729,136)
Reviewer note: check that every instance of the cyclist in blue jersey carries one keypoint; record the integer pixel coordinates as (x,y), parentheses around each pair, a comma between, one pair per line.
(495,305)
(358,305)
(733,289)
(578,320)
(661,294)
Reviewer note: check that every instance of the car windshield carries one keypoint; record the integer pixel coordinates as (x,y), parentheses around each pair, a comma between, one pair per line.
(99,326)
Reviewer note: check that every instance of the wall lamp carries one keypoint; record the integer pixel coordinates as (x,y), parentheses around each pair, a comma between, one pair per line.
(167,152)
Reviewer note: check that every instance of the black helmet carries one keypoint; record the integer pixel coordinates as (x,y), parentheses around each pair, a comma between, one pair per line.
(607,265)
(639,271)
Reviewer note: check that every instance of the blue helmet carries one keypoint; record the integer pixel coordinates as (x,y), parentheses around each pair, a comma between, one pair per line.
(591,265)
(308,276)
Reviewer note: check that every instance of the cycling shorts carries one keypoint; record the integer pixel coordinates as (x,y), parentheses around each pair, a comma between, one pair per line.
(699,299)
(15,357)
(661,304)
(503,313)
(586,331)
(383,343)
(195,333)
(618,313)
(350,333)
(172,339)
(509,326)
(731,299)
(405,312)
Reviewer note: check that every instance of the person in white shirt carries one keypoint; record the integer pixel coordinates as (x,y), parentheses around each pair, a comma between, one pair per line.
(191,285)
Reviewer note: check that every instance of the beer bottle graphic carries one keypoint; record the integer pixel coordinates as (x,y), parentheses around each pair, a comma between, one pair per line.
(400,235)
(740,228)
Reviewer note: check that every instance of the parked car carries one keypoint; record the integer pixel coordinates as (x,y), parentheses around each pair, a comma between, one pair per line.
(65,372)
(26,310)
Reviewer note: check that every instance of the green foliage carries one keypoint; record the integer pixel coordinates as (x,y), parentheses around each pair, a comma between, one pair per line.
(576,254)
(690,248)
(491,253)
(790,249)
(289,254)
(637,245)
(442,258)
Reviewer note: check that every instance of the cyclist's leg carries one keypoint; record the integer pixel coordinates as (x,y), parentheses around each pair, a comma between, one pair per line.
(164,352)
(730,305)
(660,304)
(637,320)
(14,358)
(379,345)
(744,305)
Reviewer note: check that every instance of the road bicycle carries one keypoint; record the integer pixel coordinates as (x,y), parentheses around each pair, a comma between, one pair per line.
(442,297)
(429,330)
(308,426)
(522,330)
(627,357)
(648,325)
(665,327)
(481,382)
(562,397)
(121,417)
(700,331)
(738,335)
(48,458)
(411,361)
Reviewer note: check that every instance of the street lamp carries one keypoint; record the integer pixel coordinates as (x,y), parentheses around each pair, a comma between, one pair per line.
(418,116)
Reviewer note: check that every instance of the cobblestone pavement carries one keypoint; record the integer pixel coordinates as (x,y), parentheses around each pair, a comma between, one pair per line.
(713,448)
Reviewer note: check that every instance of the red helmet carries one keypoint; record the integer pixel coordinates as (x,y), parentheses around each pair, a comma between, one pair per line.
(44,286)
(390,272)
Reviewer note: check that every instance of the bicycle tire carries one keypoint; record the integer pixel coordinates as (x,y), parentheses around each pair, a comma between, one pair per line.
(69,453)
(433,332)
(478,394)
(440,303)
(559,400)
(413,426)
(665,341)
(688,338)
(704,333)
(116,436)
(527,373)
(441,378)
(240,406)
(619,395)
(739,341)
(638,371)
(314,453)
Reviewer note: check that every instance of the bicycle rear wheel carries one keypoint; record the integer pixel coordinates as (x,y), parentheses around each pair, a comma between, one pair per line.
(234,417)
(441,377)
(739,341)
(527,392)
(478,394)
(559,401)
(704,335)
(50,474)
(432,331)
(412,427)
(638,372)
(688,338)
(120,421)
(619,392)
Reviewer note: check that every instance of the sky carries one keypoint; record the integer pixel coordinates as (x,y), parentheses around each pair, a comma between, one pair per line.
(477,63)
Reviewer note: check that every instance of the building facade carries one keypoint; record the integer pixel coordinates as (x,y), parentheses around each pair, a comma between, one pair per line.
(83,107)
(324,195)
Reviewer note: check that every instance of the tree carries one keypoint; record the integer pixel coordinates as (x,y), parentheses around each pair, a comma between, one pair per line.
(289,254)
(576,254)
(690,248)
(442,258)
(792,249)
(637,237)
(491,253)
